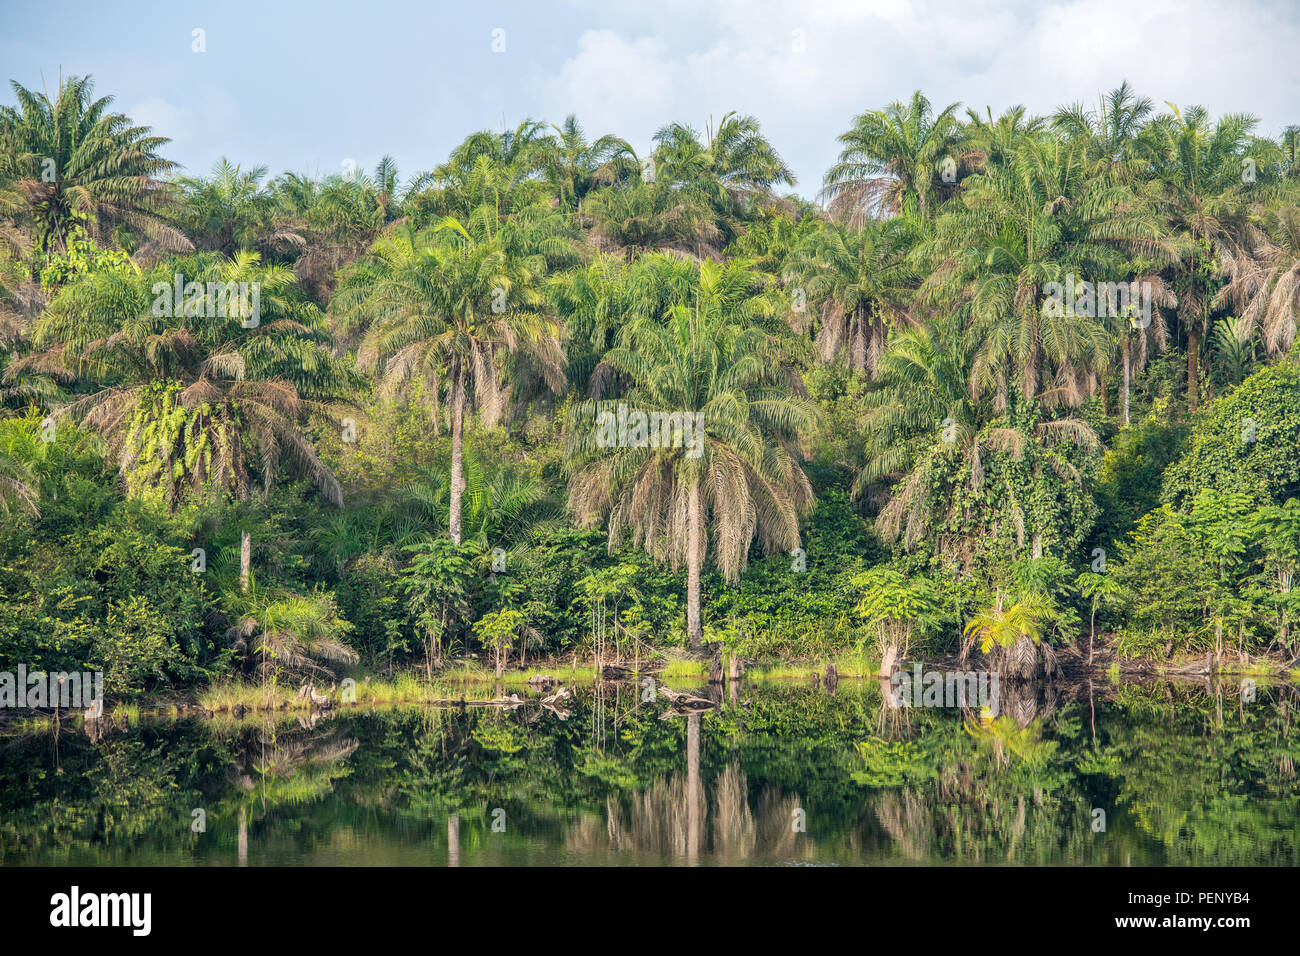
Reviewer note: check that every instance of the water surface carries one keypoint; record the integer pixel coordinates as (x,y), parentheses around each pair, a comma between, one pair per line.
(780,774)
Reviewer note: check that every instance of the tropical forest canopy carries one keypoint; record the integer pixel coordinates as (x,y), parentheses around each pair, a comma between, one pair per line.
(1006,382)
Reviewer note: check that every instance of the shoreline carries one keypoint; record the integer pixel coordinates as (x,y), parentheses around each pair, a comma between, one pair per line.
(450,688)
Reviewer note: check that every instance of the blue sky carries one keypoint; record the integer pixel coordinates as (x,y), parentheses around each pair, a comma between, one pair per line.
(308,87)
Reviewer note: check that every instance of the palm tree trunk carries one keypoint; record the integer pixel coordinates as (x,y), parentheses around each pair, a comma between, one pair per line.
(1124,348)
(694,629)
(694,788)
(457,457)
(245,560)
(1193,361)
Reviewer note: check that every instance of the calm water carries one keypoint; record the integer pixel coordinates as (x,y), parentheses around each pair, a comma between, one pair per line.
(779,774)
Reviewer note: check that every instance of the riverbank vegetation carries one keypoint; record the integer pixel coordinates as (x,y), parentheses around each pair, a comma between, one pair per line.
(1012,388)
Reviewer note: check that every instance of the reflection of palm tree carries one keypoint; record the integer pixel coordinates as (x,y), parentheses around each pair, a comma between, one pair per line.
(279,767)
(694,789)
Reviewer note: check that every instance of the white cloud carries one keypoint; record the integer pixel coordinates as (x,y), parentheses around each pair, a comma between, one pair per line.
(688,59)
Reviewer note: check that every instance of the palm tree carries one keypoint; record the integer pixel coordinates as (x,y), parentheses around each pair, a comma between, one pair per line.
(299,634)
(231,211)
(503,505)
(504,166)
(735,158)
(1199,166)
(1046,216)
(575,166)
(921,407)
(1114,132)
(862,278)
(449,309)
(78,164)
(186,399)
(922,393)
(595,299)
(1137,336)
(1264,276)
(730,468)
(991,143)
(644,216)
(893,161)
(1014,633)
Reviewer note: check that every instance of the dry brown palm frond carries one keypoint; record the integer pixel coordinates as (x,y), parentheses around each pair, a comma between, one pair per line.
(1074,430)
(1010,440)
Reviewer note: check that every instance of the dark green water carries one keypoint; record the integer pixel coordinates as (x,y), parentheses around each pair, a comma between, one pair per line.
(780,774)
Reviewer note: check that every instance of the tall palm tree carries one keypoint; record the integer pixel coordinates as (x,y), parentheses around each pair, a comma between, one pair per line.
(78,164)
(190,400)
(450,309)
(1045,216)
(1199,165)
(893,160)
(737,476)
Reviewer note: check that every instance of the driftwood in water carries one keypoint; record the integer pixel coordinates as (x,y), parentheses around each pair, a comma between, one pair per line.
(541,680)
(509,703)
(560,695)
(514,700)
(614,670)
(683,701)
(553,702)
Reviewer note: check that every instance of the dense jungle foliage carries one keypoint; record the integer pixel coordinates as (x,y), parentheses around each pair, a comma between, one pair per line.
(397,394)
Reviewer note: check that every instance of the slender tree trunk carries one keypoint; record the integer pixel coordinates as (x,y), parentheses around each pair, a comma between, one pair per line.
(1193,363)
(694,629)
(453,840)
(1092,630)
(1127,374)
(245,560)
(694,788)
(457,456)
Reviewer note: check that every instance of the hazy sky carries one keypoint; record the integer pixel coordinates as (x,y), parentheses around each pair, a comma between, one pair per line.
(308,86)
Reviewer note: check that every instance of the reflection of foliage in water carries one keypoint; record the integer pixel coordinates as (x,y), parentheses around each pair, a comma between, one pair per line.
(1184,775)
